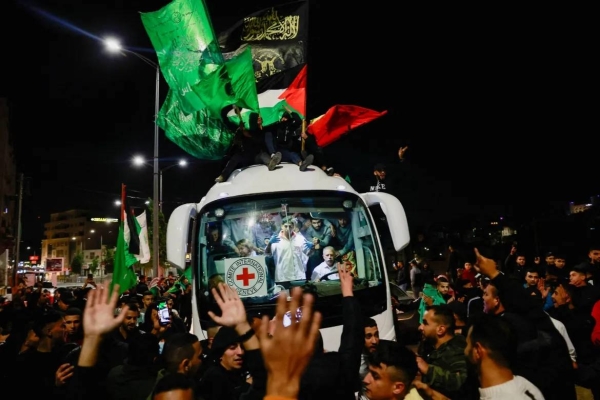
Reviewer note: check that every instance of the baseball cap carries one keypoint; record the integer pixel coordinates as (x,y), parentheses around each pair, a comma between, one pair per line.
(582,268)
(379,167)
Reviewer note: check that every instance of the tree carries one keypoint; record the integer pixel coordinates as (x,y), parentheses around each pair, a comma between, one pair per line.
(94,265)
(109,261)
(162,241)
(77,263)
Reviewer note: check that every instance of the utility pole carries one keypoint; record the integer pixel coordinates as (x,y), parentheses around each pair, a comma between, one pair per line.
(18,245)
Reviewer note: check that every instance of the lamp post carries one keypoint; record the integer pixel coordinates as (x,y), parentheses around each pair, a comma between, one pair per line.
(181,163)
(114,46)
(139,160)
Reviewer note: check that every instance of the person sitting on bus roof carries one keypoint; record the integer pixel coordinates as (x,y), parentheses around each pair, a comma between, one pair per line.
(279,137)
(248,148)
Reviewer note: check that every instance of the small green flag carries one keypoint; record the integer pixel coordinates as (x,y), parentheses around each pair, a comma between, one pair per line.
(123,273)
(430,291)
(186,274)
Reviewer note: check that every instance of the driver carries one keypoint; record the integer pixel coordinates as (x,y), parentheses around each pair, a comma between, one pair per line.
(326,267)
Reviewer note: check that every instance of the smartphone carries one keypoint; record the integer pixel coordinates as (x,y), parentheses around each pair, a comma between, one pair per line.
(164,317)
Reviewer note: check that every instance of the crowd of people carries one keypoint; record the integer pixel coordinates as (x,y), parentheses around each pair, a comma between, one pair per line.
(493,340)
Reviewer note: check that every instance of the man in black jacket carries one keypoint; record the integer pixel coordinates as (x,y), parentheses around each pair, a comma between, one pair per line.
(248,148)
(280,137)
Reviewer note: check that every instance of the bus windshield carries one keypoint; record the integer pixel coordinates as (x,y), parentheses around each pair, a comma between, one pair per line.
(261,246)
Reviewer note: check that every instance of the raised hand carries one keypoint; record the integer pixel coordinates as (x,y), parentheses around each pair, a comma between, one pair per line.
(346,279)
(487,266)
(233,312)
(287,353)
(401,152)
(99,313)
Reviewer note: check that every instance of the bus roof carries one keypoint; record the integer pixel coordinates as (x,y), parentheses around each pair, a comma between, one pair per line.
(285,178)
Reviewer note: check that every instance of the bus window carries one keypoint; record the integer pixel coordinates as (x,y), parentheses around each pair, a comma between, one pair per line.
(285,240)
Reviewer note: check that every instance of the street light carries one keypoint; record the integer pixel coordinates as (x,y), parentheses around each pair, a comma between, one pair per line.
(114,46)
(139,160)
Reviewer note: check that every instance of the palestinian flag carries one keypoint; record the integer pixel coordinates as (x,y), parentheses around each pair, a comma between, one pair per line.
(123,273)
(285,91)
(153,286)
(339,120)
(277,37)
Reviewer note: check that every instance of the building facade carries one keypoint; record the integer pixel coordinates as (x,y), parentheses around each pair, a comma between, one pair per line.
(8,177)
(76,231)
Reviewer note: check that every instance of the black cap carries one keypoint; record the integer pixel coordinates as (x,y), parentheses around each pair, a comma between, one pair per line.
(67,297)
(582,268)
(379,167)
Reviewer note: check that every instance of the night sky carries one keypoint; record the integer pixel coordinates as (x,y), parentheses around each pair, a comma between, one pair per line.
(497,108)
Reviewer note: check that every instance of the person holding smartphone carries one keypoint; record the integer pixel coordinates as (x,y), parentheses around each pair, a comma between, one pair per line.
(89,282)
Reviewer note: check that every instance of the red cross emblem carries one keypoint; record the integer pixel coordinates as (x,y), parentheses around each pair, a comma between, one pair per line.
(245,276)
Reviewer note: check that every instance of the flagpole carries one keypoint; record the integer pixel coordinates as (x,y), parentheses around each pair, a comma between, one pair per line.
(156,200)
(101,266)
(304,123)
(122,217)
(113,45)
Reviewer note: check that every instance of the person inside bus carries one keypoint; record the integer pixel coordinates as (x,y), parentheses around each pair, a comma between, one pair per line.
(262,231)
(326,267)
(343,240)
(289,250)
(319,234)
(216,245)
(245,248)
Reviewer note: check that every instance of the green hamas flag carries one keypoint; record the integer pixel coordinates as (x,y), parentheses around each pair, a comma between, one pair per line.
(186,274)
(199,134)
(189,54)
(239,72)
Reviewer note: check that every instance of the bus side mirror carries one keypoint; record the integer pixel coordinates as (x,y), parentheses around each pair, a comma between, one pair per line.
(178,234)
(395,216)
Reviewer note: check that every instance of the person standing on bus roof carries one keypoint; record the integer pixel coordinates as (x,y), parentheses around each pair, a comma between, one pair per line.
(379,171)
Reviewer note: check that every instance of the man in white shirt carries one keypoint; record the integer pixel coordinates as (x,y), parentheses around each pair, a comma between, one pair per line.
(491,344)
(327,266)
(290,251)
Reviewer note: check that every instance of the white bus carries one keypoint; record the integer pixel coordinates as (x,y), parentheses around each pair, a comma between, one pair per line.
(251,205)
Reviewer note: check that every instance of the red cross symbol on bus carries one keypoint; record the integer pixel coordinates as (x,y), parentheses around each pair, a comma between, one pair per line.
(245,276)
